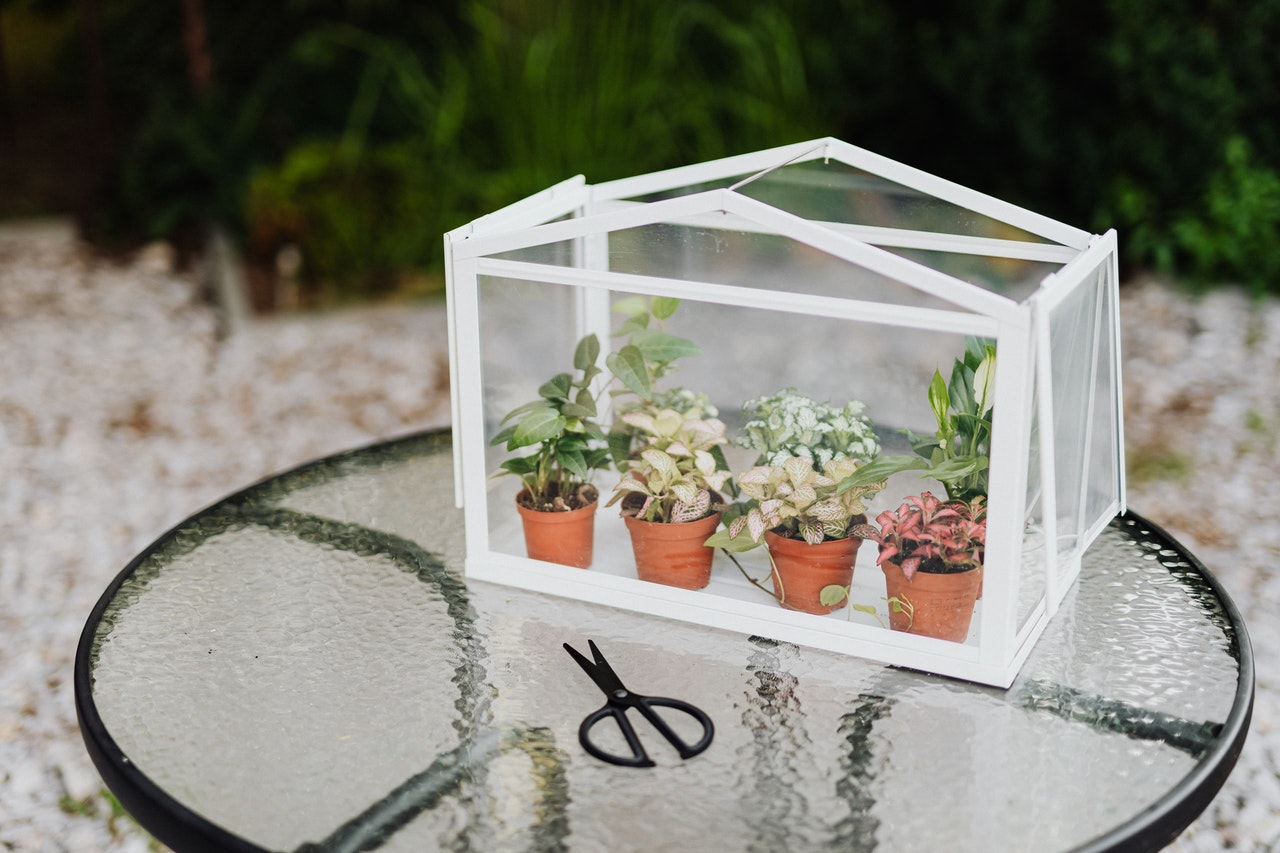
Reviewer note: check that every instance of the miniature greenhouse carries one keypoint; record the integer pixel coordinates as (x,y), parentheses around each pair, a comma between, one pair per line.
(801,348)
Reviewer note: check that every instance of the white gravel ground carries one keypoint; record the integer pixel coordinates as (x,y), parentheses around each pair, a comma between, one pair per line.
(121,413)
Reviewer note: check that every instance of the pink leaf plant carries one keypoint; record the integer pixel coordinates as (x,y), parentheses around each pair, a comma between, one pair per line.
(926,528)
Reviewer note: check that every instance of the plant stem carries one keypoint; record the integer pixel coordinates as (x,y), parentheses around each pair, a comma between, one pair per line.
(757,584)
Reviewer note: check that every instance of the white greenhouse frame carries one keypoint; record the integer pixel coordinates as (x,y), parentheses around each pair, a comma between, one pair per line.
(1073,506)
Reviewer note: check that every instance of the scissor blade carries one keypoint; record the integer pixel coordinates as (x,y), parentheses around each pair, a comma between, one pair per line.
(600,671)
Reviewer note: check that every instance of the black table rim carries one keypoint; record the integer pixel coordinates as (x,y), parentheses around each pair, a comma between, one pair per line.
(184,830)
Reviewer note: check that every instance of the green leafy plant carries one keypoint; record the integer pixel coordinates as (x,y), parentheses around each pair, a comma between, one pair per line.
(675,475)
(789,424)
(1232,234)
(561,425)
(959,452)
(649,354)
(796,501)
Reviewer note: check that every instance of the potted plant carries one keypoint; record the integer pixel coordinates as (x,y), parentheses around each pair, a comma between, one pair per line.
(931,552)
(809,529)
(669,494)
(805,449)
(959,451)
(790,424)
(649,354)
(557,504)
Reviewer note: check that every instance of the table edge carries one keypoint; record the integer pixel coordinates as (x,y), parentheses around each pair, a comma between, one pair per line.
(1165,819)
(158,812)
(181,828)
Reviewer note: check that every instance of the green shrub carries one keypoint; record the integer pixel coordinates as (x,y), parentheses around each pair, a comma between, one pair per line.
(1157,118)
(362,223)
(1235,233)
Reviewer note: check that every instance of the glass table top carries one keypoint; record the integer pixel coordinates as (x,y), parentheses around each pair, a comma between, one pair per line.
(303,667)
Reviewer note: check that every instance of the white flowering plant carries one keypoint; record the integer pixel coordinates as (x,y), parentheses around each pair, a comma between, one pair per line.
(789,424)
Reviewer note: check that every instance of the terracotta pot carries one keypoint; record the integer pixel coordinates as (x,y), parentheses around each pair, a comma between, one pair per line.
(567,538)
(942,604)
(673,554)
(801,570)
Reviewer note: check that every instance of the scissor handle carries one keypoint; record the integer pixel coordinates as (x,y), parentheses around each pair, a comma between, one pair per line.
(638,757)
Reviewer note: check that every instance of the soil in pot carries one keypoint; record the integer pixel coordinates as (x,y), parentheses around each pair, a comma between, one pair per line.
(941,604)
(565,536)
(673,554)
(801,570)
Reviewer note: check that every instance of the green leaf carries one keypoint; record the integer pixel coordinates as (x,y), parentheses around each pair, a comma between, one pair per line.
(628,365)
(572,461)
(619,447)
(597,457)
(664,306)
(573,410)
(732,544)
(880,468)
(519,411)
(960,390)
(958,468)
(631,306)
(659,346)
(633,325)
(557,388)
(972,426)
(587,352)
(939,401)
(537,427)
(503,437)
(833,594)
(520,465)
(975,350)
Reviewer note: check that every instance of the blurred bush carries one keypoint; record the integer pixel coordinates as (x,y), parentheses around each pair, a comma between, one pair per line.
(360,130)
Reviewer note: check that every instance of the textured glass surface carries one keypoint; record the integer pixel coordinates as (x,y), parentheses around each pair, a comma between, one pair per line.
(304,664)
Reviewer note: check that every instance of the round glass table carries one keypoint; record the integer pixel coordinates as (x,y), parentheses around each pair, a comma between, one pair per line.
(302,667)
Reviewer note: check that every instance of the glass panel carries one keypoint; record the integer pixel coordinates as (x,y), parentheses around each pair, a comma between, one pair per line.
(749,352)
(1011,277)
(1073,332)
(561,254)
(835,192)
(691,189)
(696,252)
(1104,451)
(1032,581)
(528,331)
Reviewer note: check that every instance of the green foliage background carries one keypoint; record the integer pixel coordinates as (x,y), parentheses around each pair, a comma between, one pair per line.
(361,130)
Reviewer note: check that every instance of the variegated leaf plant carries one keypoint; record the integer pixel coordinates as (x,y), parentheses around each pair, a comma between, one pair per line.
(677,471)
(797,501)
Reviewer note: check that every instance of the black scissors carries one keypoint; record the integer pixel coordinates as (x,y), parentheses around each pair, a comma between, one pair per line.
(618,700)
